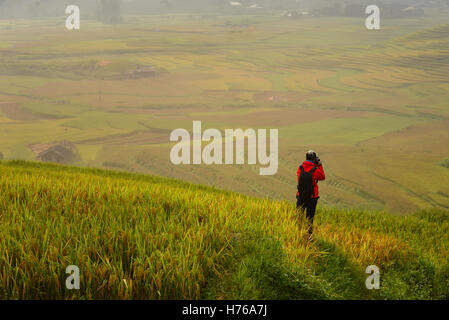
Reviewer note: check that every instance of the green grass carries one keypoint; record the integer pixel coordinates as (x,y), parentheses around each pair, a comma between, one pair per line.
(59,109)
(174,240)
(118,121)
(445,163)
(335,83)
(344,131)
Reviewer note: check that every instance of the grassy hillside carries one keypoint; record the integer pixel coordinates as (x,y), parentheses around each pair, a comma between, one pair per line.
(143,237)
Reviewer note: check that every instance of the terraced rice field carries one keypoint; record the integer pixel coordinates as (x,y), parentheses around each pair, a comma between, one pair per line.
(373,104)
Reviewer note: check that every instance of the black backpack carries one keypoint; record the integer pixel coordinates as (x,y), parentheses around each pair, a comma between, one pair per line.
(305,184)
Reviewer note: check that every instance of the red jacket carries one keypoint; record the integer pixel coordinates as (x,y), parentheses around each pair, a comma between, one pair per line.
(317,175)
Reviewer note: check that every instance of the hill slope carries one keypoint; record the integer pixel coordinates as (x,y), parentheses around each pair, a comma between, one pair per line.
(143,237)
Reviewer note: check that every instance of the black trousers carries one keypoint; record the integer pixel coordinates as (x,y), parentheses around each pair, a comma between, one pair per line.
(310,207)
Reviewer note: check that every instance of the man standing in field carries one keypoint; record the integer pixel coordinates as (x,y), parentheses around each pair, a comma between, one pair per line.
(309,173)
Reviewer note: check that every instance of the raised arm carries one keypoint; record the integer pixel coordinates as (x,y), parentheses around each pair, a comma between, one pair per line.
(319,173)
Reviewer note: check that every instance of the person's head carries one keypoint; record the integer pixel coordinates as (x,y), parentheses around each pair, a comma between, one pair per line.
(311,155)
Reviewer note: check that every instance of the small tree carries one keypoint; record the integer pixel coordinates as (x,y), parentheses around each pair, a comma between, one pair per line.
(2,2)
(109,11)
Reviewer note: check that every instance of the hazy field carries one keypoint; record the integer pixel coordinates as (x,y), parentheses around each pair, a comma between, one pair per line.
(374,104)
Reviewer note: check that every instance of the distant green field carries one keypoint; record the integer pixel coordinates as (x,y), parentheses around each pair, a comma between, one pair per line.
(374,104)
(345,131)
(144,237)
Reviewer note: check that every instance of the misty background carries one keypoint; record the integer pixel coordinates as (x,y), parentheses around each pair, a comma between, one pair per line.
(111,11)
